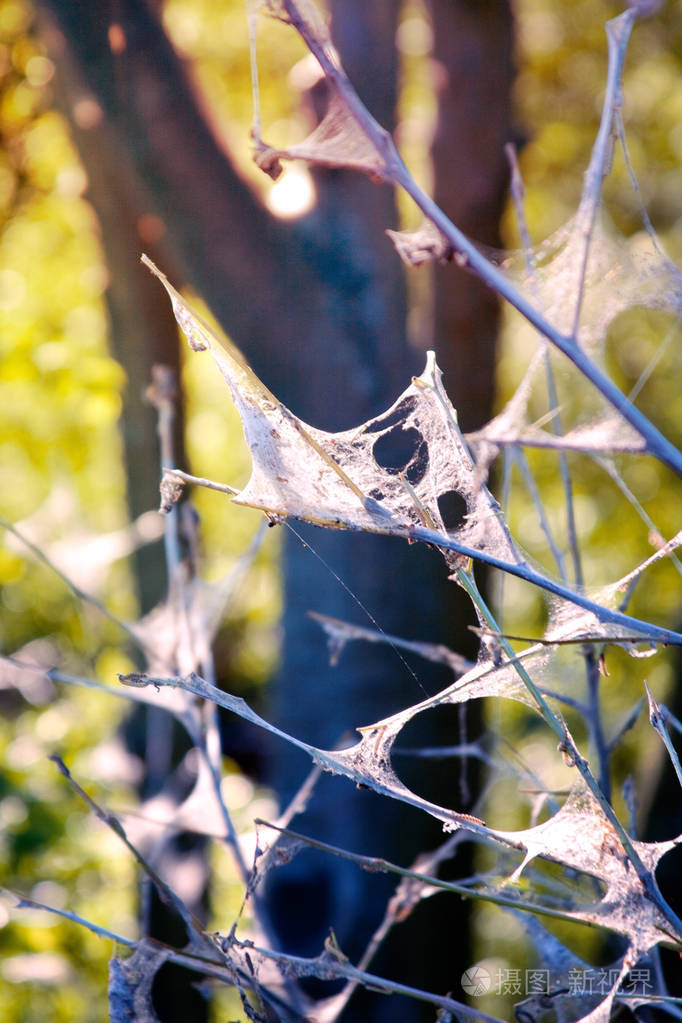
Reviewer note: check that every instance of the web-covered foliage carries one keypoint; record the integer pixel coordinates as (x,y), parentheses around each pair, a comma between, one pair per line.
(569,289)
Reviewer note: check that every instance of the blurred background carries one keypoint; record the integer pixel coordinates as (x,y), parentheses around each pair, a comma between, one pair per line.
(125,129)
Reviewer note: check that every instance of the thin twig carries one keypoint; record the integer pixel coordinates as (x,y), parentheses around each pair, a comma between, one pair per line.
(87,598)
(519,456)
(199,481)
(194,926)
(23,902)
(377,864)
(656,717)
(396,171)
(517,192)
(567,744)
(330,965)
(522,570)
(617,33)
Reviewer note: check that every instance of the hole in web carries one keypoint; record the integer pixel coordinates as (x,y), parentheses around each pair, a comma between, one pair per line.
(173,983)
(510,802)
(403,451)
(670,963)
(426,761)
(453,508)
(668,877)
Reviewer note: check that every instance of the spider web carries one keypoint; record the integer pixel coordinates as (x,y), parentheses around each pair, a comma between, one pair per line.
(576,282)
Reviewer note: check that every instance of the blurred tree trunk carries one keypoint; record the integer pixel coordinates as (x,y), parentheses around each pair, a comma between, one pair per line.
(318,307)
(142,324)
(473,47)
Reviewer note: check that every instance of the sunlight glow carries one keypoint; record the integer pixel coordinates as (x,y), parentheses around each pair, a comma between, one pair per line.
(293,195)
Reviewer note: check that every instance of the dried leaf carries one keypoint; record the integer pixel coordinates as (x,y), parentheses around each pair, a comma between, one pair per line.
(424,245)
(347,135)
(338,141)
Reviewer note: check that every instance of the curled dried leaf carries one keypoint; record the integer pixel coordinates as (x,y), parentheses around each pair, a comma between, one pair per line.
(424,245)
(171,489)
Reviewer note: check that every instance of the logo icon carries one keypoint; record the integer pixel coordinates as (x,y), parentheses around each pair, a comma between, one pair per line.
(476,981)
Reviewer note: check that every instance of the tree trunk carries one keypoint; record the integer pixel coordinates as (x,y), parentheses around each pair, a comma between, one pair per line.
(473,45)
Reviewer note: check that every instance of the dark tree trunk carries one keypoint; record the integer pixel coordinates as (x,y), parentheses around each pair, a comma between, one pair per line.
(473,45)
(318,307)
(142,325)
